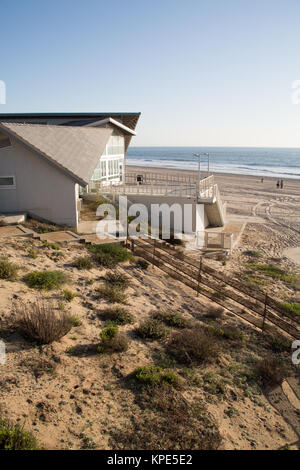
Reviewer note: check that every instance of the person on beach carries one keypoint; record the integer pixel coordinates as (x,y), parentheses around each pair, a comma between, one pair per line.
(278,184)
(262,180)
(281,184)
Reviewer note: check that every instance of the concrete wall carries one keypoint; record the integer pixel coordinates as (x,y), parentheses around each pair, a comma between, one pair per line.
(41,189)
(199,218)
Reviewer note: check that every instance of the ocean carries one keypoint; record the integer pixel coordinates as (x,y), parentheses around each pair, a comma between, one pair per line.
(277,162)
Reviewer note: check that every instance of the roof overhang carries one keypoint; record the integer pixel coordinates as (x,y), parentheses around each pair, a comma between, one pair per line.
(113,122)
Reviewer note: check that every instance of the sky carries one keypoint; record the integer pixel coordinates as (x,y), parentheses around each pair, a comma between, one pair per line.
(201,72)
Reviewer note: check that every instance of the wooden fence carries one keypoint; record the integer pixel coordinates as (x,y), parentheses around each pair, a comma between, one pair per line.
(256,307)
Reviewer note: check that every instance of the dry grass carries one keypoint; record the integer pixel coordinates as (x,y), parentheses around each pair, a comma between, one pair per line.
(167,421)
(42,323)
(173,319)
(193,347)
(271,371)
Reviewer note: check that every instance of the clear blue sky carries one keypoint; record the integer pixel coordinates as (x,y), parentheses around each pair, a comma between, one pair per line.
(213,72)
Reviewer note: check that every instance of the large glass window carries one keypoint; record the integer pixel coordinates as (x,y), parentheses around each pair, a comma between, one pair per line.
(115,144)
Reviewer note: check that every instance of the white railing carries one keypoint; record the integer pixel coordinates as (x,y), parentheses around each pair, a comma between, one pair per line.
(168,190)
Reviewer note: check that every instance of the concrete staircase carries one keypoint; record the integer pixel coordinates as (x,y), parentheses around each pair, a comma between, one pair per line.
(215,209)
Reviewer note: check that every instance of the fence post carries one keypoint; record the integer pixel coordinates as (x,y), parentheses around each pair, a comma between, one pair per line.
(132,246)
(154,244)
(199,276)
(265,313)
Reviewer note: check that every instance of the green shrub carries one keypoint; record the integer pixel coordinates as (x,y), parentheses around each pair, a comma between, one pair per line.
(112,341)
(173,319)
(32,254)
(117,315)
(114,295)
(83,262)
(46,280)
(69,295)
(192,347)
(8,270)
(152,329)
(109,332)
(148,375)
(117,279)
(76,321)
(105,260)
(293,307)
(154,375)
(117,252)
(275,272)
(14,437)
(142,264)
(40,322)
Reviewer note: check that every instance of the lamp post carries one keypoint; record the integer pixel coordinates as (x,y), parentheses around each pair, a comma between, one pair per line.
(208,161)
(198,155)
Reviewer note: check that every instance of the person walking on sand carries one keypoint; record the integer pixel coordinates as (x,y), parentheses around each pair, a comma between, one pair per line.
(281,184)
(278,184)
(262,180)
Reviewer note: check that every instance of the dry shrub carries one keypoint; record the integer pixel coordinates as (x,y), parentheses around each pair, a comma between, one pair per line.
(271,371)
(41,322)
(173,319)
(112,294)
(215,313)
(117,315)
(279,344)
(83,262)
(167,422)
(193,347)
(39,366)
(117,279)
(152,329)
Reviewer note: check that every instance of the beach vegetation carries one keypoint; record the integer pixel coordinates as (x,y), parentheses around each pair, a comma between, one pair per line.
(15,437)
(8,270)
(152,329)
(117,315)
(42,323)
(46,280)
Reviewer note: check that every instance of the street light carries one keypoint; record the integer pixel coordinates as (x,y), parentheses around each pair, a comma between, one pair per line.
(198,155)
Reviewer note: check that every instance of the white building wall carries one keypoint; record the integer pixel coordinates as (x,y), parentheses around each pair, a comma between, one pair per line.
(41,189)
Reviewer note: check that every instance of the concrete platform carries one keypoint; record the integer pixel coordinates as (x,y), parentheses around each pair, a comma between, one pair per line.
(13,219)
(65,236)
(15,231)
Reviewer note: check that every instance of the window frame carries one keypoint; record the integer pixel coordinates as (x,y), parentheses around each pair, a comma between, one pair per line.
(8,186)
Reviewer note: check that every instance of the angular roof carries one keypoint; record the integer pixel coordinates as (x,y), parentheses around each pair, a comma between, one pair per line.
(72,119)
(63,146)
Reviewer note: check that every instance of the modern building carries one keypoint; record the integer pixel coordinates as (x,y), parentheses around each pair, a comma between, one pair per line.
(46,160)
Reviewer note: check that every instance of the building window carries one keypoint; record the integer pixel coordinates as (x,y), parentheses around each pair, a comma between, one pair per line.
(7,182)
(115,144)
